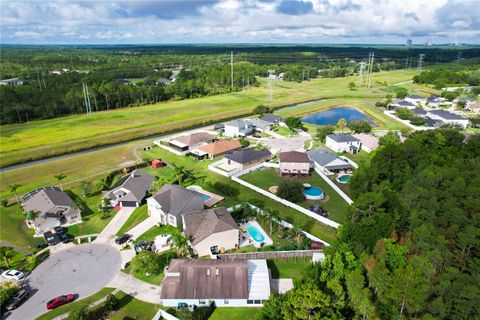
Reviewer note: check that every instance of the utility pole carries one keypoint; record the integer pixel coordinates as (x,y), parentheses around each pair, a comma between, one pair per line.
(270,85)
(370,68)
(86,98)
(406,63)
(361,71)
(231,68)
(421,57)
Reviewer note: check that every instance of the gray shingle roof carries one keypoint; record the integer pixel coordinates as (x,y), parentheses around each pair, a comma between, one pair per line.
(259,123)
(194,138)
(238,123)
(46,198)
(137,182)
(176,200)
(419,111)
(200,225)
(447,115)
(323,157)
(342,137)
(415,96)
(248,155)
(404,103)
(272,118)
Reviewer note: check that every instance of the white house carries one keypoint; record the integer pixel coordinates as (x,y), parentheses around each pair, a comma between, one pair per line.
(259,124)
(398,103)
(211,231)
(416,99)
(11,82)
(446,117)
(343,143)
(468,102)
(171,202)
(227,283)
(368,141)
(328,162)
(238,128)
(435,102)
(294,163)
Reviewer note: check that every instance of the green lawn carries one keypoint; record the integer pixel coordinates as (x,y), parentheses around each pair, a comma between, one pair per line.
(289,268)
(140,214)
(235,313)
(43,138)
(14,230)
(150,234)
(131,308)
(284,131)
(71,306)
(245,194)
(334,204)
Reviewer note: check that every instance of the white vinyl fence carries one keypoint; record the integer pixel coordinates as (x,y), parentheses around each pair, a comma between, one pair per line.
(333,185)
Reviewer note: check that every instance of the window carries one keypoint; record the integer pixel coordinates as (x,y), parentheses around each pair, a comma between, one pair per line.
(202,302)
(258,301)
(249,301)
(214,249)
(172,220)
(226,301)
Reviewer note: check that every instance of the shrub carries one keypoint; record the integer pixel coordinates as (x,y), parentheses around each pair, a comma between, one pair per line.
(4,202)
(404,113)
(323,132)
(244,142)
(7,290)
(417,121)
(291,190)
(360,126)
(81,312)
(226,189)
(111,304)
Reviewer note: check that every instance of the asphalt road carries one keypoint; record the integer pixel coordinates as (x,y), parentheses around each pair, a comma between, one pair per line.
(82,270)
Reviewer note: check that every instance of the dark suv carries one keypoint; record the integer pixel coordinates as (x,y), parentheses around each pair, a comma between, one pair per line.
(52,239)
(123,238)
(59,230)
(17,299)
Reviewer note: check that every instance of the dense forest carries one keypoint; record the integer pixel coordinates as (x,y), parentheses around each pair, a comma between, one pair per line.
(451,75)
(129,76)
(410,247)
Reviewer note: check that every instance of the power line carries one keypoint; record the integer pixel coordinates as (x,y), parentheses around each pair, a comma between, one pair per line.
(270,85)
(371,57)
(231,68)
(421,57)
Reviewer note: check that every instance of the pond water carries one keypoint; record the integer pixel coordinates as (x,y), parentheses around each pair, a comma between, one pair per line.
(331,116)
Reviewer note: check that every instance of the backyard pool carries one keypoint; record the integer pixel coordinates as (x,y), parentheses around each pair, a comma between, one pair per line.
(313,193)
(206,197)
(344,178)
(331,116)
(255,233)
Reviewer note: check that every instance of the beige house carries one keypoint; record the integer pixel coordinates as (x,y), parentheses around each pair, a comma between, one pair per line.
(246,158)
(211,231)
(294,163)
(368,141)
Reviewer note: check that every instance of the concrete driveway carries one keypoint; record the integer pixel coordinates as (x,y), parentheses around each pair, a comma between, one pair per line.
(82,270)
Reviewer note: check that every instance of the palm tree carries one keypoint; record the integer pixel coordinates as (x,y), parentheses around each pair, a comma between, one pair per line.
(13,188)
(179,241)
(59,178)
(271,215)
(6,254)
(183,174)
(103,184)
(32,214)
(342,123)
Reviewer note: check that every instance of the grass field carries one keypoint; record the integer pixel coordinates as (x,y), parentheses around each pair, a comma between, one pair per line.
(137,216)
(44,138)
(289,268)
(235,313)
(333,203)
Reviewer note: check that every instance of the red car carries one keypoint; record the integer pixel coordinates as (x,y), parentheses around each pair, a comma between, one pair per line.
(60,301)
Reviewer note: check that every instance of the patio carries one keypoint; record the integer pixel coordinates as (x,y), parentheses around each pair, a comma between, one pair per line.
(211,199)
(247,239)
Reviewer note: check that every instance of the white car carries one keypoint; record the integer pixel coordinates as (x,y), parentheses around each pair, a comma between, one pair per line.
(13,275)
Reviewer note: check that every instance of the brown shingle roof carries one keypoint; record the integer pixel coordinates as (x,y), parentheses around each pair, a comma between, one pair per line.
(294,156)
(194,138)
(220,147)
(193,281)
(200,225)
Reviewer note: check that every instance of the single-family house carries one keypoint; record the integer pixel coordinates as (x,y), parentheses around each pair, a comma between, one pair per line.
(53,207)
(435,102)
(447,118)
(11,82)
(190,141)
(171,202)
(259,124)
(368,141)
(416,99)
(211,231)
(273,119)
(219,148)
(164,81)
(328,162)
(294,163)
(467,100)
(419,112)
(238,128)
(227,283)
(398,103)
(130,190)
(246,158)
(474,107)
(343,143)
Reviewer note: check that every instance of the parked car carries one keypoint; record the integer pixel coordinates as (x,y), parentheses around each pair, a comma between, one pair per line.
(143,245)
(59,230)
(17,299)
(41,245)
(52,239)
(60,301)
(123,238)
(64,238)
(13,275)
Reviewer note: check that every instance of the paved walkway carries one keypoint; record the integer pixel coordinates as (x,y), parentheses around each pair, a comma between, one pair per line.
(117,222)
(136,288)
(142,227)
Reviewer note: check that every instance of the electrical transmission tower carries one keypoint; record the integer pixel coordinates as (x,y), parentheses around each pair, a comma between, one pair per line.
(371,57)
(86,97)
(421,57)
(459,56)
(361,71)
(270,85)
(231,68)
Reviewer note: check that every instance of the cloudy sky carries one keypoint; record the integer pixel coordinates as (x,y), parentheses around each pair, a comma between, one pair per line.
(239,21)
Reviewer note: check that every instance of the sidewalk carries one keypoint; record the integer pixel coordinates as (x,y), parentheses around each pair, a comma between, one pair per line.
(142,227)
(136,288)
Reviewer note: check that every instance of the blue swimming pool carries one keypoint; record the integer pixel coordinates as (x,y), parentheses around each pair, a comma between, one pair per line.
(313,193)
(331,116)
(344,179)
(255,233)
(206,197)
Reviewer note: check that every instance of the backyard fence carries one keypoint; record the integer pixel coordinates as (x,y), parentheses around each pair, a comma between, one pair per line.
(333,185)
(293,254)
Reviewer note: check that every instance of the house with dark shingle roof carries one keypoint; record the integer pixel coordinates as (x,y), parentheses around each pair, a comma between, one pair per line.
(54,208)
(343,143)
(246,158)
(190,141)
(415,99)
(130,190)
(259,124)
(227,283)
(294,163)
(420,112)
(446,117)
(173,201)
(211,231)
(327,161)
(273,119)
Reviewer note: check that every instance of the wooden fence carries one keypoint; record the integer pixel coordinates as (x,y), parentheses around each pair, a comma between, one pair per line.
(269,255)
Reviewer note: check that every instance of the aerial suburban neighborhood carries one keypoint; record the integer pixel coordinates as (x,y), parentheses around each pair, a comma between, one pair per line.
(229,159)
